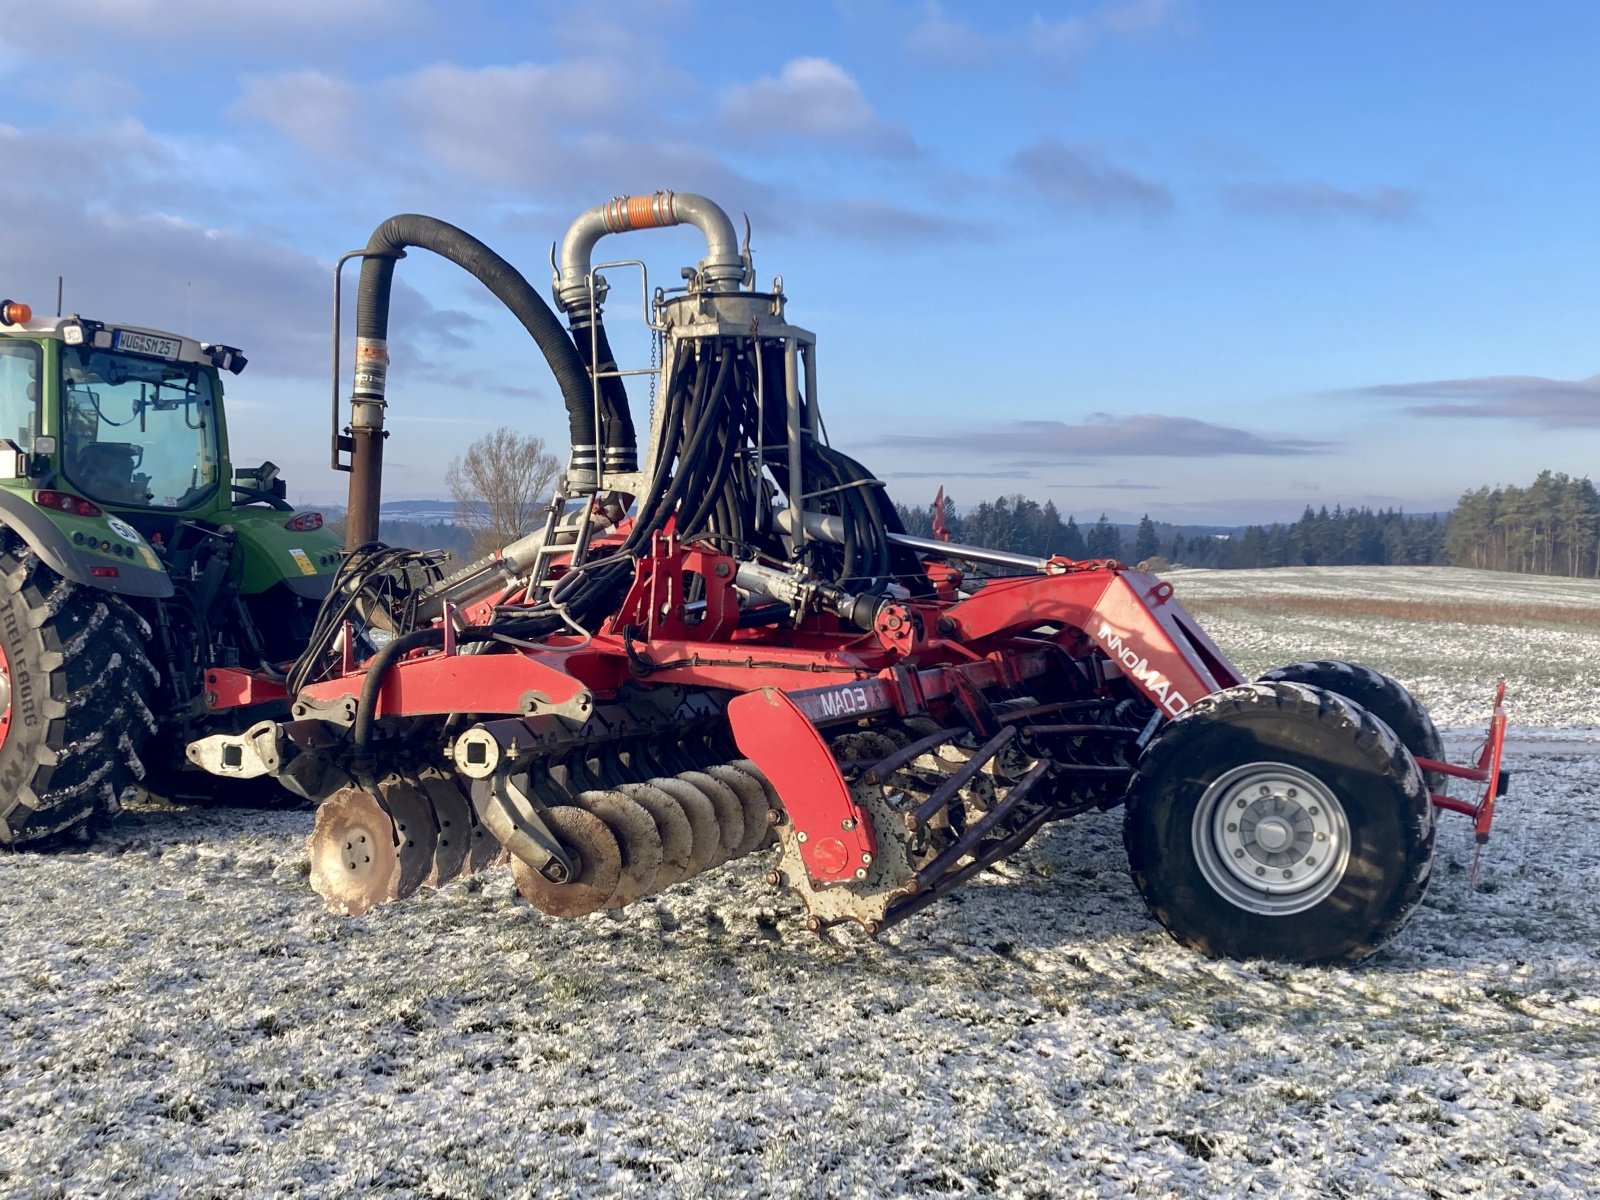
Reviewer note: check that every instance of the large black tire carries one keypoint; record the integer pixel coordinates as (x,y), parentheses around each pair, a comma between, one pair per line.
(73,709)
(1383,697)
(1281,821)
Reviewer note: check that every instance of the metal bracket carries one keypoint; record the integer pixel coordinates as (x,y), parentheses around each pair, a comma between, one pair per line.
(515,819)
(341,442)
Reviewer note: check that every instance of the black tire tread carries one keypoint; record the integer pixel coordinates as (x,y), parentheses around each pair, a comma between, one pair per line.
(85,650)
(1373,736)
(1383,696)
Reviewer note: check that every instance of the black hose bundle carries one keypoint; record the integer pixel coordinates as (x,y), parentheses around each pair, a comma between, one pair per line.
(619,443)
(373,578)
(581,601)
(706,472)
(508,286)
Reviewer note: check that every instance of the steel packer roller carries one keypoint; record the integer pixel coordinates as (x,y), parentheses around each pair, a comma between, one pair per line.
(729,647)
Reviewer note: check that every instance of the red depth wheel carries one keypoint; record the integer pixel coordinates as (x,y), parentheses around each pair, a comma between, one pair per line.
(5,697)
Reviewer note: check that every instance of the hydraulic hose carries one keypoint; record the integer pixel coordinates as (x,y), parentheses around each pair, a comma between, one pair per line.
(620,442)
(388,241)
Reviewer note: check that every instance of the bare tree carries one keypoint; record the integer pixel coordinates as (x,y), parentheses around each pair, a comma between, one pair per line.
(501,485)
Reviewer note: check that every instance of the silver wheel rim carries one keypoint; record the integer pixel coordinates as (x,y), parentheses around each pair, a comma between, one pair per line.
(1271,839)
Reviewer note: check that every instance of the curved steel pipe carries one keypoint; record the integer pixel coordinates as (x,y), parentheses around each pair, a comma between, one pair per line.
(722,265)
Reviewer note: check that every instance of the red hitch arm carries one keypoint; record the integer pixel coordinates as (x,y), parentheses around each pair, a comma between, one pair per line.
(1486,771)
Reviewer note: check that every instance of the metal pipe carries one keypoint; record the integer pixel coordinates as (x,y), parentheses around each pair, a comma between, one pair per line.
(791,384)
(978,830)
(1010,845)
(946,791)
(881,771)
(824,527)
(723,266)
(980,554)
(1121,731)
(1039,710)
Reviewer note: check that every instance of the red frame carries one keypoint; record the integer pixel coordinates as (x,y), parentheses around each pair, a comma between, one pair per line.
(794,680)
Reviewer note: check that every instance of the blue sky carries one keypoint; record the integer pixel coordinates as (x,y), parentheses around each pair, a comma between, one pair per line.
(1210,261)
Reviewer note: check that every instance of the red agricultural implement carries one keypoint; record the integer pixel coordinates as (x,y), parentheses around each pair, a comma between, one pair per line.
(736,646)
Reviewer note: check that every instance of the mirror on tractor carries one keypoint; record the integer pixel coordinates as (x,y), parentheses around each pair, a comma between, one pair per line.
(261,483)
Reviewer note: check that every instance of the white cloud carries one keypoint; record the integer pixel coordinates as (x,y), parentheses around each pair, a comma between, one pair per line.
(1052,44)
(206,19)
(1080,177)
(812,98)
(311,108)
(126,256)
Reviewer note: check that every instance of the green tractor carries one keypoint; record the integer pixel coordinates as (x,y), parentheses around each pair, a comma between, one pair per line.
(148,589)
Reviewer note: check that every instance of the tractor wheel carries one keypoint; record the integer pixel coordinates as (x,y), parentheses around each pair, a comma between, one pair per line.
(1279,820)
(1383,697)
(74,679)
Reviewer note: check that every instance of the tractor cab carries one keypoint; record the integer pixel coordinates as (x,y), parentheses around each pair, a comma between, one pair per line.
(115,473)
(113,442)
(138,431)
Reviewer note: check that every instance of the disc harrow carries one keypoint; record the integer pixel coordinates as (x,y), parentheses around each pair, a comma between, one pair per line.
(372,846)
(735,645)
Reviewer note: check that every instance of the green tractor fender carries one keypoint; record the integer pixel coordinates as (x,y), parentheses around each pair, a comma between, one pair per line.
(101,552)
(303,560)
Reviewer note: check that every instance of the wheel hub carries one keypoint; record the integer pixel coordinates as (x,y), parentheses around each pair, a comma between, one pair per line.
(1271,838)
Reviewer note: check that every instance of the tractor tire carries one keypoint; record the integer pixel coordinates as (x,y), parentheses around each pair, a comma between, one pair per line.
(1280,821)
(74,716)
(1383,697)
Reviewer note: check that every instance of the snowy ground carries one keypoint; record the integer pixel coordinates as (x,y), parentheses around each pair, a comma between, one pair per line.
(1552,668)
(181,1018)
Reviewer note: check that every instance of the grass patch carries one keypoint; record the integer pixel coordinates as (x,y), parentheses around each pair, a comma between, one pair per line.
(1449,612)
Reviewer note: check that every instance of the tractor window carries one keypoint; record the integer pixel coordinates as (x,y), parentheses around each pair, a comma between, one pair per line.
(19,392)
(137,430)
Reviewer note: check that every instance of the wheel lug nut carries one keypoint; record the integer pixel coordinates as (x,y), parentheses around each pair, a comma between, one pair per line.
(1314,810)
(1232,828)
(1265,790)
(1292,793)
(1288,874)
(1243,803)
(1261,870)
(1322,837)
(1238,853)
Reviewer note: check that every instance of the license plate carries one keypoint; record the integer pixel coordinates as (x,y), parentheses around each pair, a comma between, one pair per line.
(146,343)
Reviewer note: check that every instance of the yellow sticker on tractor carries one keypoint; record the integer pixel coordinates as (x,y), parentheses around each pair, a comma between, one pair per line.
(303,561)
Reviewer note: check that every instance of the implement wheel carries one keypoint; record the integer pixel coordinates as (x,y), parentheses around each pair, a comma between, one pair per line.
(74,682)
(1279,821)
(1382,696)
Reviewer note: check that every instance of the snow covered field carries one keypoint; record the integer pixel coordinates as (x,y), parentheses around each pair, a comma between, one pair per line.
(181,1018)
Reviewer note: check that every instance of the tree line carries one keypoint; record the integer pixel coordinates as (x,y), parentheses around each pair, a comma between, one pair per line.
(1551,527)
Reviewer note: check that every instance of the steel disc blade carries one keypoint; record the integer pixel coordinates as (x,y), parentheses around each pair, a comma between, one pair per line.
(415,835)
(452,816)
(729,806)
(594,852)
(705,850)
(637,838)
(770,838)
(672,823)
(482,847)
(352,851)
(752,803)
